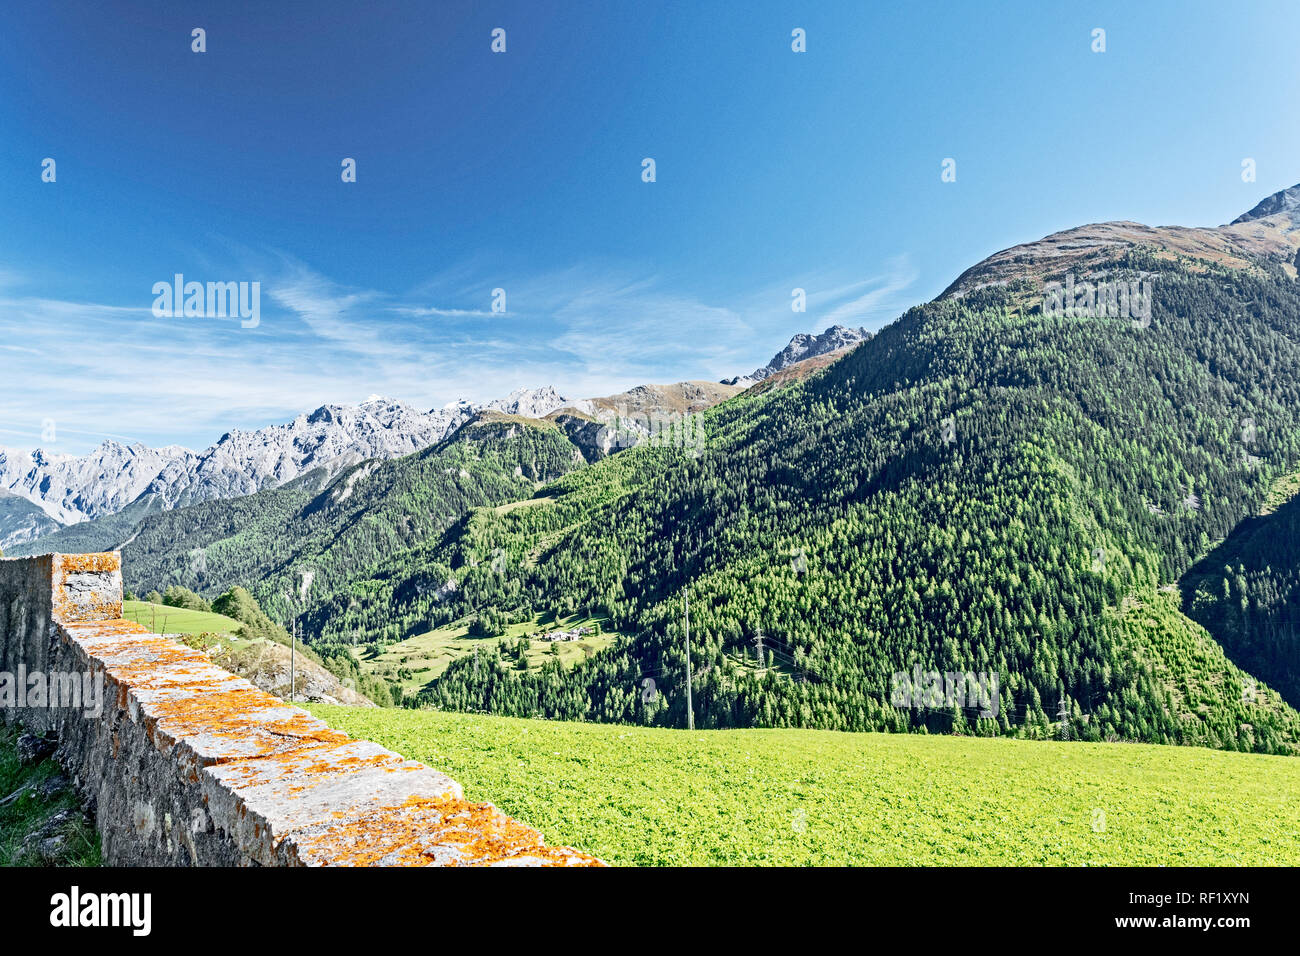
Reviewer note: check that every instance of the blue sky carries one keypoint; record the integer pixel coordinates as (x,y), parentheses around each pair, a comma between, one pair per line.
(522,171)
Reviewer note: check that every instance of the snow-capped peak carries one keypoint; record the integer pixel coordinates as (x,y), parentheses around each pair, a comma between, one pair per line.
(530,402)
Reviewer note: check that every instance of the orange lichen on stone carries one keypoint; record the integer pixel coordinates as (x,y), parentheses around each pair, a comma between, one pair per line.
(69,611)
(90,563)
(435,832)
(98,591)
(311,795)
(116,628)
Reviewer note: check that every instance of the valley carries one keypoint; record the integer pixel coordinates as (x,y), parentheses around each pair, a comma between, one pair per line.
(986,484)
(676,435)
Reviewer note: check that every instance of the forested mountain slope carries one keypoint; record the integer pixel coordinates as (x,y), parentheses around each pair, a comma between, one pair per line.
(1089,462)
(986,485)
(1246,593)
(333,527)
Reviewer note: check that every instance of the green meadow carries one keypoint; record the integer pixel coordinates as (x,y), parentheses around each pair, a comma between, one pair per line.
(639,796)
(163,619)
(420,659)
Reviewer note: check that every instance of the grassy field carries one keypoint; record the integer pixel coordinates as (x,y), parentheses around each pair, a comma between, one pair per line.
(1283,489)
(175,620)
(640,796)
(522,503)
(427,655)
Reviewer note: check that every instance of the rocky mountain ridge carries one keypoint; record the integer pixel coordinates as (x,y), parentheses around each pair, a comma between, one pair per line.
(803,346)
(64,490)
(1270,231)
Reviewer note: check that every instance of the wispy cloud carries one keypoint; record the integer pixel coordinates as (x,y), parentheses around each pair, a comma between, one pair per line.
(832,298)
(881,298)
(110,370)
(425,312)
(632,326)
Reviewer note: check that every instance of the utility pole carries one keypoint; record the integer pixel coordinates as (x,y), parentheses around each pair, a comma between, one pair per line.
(690,707)
(293,632)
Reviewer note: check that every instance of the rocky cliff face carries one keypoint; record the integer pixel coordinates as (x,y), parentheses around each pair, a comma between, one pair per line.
(70,489)
(333,437)
(803,346)
(530,402)
(74,488)
(1285,203)
(21,520)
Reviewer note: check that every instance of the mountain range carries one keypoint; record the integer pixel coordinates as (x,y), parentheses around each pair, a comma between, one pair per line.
(1098,512)
(67,490)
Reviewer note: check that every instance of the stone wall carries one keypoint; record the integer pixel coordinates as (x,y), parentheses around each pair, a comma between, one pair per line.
(185,764)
